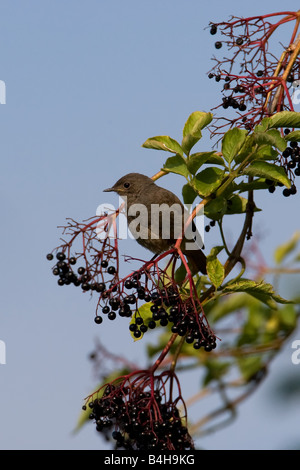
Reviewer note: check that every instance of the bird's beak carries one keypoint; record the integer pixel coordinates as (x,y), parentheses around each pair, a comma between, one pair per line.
(108,190)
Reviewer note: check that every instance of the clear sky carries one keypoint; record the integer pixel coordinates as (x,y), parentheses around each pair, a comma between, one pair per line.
(87,83)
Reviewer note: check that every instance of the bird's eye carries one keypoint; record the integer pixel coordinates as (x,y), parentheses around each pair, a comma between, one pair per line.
(126,185)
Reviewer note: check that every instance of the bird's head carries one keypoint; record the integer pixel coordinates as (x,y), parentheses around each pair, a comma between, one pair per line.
(131,184)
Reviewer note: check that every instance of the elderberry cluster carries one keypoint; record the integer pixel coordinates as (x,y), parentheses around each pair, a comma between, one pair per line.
(167,307)
(66,274)
(246,83)
(122,297)
(139,420)
(291,163)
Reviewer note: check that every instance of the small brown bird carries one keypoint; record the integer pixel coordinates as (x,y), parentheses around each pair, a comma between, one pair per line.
(156,218)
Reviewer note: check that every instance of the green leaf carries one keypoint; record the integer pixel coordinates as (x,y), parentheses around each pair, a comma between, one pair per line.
(238,205)
(163,142)
(216,250)
(180,274)
(176,165)
(264,298)
(215,208)
(198,159)
(288,317)
(247,285)
(293,136)
(255,322)
(246,150)
(259,183)
(271,137)
(232,143)
(215,159)
(265,152)
(215,269)
(281,300)
(188,194)
(208,180)
(192,129)
(286,248)
(233,303)
(250,366)
(285,119)
(260,290)
(215,370)
(263,126)
(268,170)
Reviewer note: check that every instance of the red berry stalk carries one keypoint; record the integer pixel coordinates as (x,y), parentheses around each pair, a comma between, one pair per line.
(257,83)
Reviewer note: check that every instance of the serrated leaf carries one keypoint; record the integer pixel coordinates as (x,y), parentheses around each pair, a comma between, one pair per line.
(238,205)
(246,150)
(163,142)
(285,119)
(264,125)
(288,317)
(188,194)
(259,183)
(265,152)
(270,137)
(192,129)
(250,366)
(215,159)
(208,180)
(283,250)
(269,171)
(260,290)
(215,251)
(215,269)
(196,160)
(264,298)
(215,208)
(281,300)
(232,143)
(176,165)
(293,136)
(247,285)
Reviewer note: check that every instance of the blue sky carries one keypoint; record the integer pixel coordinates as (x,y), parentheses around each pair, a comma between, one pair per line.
(87,84)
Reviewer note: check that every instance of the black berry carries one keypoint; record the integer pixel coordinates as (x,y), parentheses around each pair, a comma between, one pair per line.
(213,29)
(111,270)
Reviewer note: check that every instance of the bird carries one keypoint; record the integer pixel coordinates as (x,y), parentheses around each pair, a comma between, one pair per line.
(156,217)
